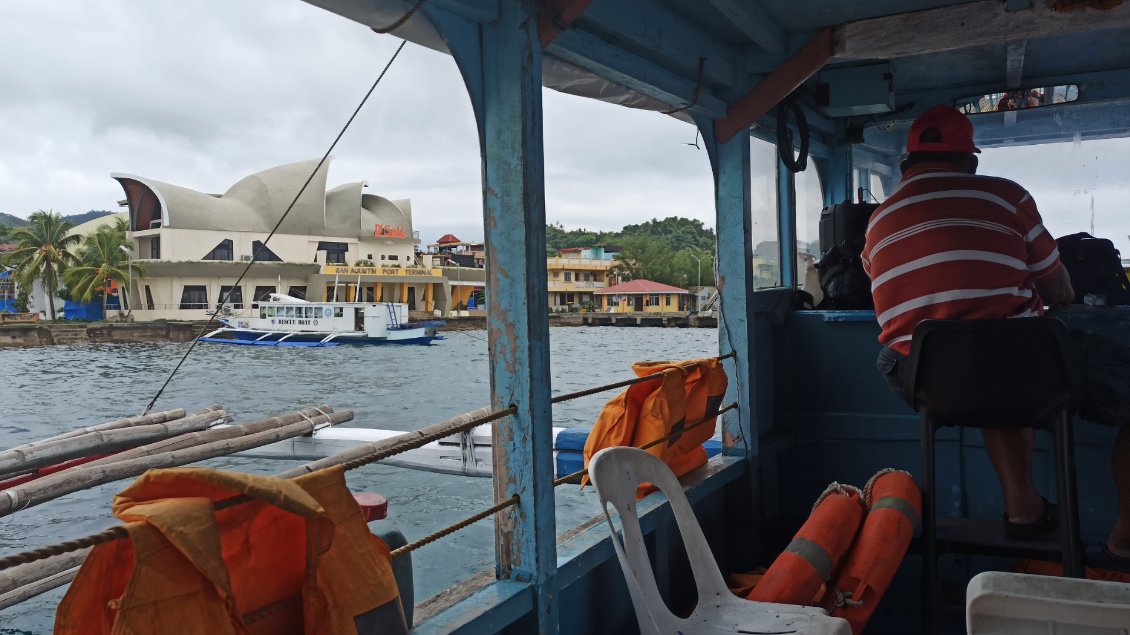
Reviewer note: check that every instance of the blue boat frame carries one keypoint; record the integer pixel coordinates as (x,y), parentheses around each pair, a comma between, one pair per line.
(812,408)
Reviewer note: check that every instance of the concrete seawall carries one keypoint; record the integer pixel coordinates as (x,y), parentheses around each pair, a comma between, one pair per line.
(61,334)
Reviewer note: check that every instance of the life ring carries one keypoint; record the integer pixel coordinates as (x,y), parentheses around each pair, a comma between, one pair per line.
(315,323)
(895,504)
(816,551)
(799,162)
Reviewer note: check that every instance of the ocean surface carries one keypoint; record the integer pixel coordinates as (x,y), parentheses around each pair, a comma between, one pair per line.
(49,390)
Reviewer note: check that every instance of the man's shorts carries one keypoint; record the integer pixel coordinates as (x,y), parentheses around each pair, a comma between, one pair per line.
(1103,366)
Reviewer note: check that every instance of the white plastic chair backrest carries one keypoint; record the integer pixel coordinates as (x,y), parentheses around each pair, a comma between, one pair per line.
(616,473)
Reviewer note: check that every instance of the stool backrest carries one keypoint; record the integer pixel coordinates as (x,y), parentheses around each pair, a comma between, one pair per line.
(1012,373)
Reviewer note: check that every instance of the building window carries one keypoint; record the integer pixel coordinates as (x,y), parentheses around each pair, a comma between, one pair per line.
(654,300)
(568,276)
(556,274)
(222,251)
(155,248)
(297,292)
(598,277)
(194,297)
(335,252)
(260,252)
(262,294)
(393,257)
(232,296)
(587,277)
(7,290)
(148,298)
(668,300)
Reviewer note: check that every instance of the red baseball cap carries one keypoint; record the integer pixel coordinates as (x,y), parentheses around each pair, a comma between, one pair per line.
(941,129)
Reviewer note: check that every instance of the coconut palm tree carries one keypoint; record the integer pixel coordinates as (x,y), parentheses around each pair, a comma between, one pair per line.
(103,258)
(44,252)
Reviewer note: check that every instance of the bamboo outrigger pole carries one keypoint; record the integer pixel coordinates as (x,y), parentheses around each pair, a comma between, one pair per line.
(80,478)
(102,441)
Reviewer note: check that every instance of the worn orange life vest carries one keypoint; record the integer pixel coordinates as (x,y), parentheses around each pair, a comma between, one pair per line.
(297,559)
(653,409)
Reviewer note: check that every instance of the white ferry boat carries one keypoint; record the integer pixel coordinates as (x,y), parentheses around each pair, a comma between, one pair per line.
(288,321)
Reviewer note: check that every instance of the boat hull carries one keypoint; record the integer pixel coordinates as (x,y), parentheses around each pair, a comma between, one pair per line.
(251,337)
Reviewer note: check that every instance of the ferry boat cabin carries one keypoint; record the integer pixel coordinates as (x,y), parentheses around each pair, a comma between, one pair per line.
(811,406)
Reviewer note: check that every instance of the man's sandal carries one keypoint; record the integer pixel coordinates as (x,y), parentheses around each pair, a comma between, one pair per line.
(1039,529)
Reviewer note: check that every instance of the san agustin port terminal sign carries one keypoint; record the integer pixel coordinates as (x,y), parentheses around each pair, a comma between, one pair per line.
(380,271)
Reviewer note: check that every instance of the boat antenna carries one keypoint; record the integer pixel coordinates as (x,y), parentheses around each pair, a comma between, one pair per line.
(275,229)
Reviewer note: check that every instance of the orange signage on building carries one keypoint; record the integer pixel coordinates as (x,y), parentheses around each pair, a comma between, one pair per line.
(389,231)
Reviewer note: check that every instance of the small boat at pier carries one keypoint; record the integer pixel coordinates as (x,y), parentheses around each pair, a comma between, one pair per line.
(288,321)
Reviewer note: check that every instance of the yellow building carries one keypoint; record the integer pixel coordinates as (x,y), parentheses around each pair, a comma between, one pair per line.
(575,276)
(642,296)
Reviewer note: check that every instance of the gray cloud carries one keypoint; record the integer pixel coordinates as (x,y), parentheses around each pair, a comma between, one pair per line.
(203,92)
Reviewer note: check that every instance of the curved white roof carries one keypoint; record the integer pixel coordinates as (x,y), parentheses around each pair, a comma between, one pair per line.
(255,203)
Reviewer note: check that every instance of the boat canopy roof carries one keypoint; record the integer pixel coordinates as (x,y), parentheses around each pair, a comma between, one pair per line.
(281,297)
(734,61)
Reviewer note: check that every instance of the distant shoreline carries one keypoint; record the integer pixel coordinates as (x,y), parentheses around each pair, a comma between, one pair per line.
(66,333)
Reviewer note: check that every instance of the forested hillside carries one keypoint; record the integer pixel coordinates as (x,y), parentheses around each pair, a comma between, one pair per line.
(660,250)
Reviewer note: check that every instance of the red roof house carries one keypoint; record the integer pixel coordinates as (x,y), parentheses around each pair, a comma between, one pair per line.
(640,286)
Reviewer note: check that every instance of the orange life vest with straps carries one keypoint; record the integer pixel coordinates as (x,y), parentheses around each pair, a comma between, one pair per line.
(651,410)
(298,558)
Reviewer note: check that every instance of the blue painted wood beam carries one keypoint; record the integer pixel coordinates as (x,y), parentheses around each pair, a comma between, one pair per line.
(734,275)
(755,22)
(517,321)
(657,32)
(593,54)
(501,64)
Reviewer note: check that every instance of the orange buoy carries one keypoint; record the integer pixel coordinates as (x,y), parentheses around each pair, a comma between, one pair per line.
(894,505)
(815,552)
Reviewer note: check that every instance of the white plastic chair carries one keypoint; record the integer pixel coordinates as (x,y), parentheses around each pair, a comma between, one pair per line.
(999,603)
(617,472)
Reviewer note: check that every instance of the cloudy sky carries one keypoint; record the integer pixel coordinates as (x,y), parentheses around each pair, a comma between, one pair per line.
(203,92)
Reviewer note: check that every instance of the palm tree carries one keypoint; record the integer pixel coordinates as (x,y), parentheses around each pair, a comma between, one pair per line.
(103,258)
(44,252)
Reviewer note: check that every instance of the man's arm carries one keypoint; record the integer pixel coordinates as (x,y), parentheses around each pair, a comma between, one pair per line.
(1054,287)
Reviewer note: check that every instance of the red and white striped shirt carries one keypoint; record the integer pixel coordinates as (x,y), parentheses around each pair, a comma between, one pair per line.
(950,245)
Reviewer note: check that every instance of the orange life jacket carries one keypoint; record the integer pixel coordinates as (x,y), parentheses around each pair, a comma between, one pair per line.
(299,558)
(653,409)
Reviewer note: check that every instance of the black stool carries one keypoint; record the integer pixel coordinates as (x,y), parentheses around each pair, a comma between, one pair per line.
(1014,373)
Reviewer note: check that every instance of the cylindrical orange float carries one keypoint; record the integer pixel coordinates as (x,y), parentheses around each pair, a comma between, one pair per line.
(895,504)
(816,550)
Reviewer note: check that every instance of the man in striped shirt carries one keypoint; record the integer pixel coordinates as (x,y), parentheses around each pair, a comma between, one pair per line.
(949,244)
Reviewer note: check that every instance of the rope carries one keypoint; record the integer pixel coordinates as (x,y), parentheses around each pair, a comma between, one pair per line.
(697,90)
(275,229)
(843,598)
(627,382)
(399,23)
(835,487)
(111,534)
(412,546)
(871,483)
(569,477)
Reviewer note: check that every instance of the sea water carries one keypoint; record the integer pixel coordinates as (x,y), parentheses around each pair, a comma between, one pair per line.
(48,390)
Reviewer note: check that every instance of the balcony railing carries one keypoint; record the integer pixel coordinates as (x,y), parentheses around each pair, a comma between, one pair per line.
(564,263)
(575,284)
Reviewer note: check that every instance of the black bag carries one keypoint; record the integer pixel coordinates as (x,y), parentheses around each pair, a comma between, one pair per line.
(843,229)
(1095,269)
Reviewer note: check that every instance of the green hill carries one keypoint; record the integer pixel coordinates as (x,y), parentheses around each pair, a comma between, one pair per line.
(77,219)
